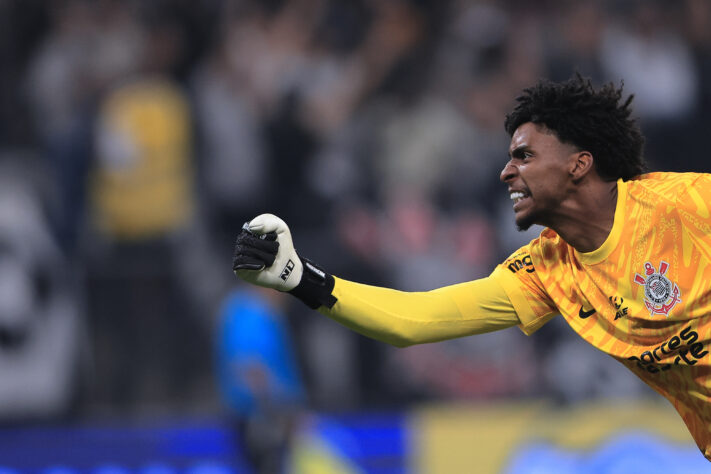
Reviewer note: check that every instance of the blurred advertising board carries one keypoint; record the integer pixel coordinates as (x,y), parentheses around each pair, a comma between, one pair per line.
(170,447)
(510,438)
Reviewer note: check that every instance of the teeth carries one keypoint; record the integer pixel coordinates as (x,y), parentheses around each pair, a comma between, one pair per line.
(517,196)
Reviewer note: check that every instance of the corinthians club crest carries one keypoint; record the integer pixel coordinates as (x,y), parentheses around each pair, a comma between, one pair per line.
(660,293)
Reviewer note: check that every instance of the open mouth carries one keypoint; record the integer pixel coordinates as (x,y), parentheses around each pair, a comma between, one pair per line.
(518,197)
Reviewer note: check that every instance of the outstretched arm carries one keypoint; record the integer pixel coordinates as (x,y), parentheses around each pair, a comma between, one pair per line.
(265,255)
(407,318)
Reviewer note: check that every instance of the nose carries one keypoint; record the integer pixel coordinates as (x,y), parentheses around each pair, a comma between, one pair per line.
(508,173)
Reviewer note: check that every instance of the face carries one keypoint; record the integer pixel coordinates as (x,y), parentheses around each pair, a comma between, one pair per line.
(538,174)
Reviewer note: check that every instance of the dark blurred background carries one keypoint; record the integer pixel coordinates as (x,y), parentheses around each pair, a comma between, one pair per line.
(137,136)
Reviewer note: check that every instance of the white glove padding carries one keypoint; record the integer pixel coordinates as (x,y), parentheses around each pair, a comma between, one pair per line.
(286,271)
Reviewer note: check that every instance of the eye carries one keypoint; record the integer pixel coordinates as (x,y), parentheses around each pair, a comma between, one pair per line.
(521,154)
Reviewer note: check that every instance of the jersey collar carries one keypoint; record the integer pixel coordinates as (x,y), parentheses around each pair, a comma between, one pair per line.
(602,252)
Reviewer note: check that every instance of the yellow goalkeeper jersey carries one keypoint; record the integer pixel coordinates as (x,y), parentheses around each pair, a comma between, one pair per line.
(643,297)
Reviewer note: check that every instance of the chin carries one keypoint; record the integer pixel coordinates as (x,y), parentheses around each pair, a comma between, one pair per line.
(524,222)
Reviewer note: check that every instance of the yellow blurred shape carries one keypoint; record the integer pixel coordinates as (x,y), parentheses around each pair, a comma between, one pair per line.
(482,438)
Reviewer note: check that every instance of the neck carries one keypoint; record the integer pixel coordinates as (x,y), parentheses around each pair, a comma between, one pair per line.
(586,219)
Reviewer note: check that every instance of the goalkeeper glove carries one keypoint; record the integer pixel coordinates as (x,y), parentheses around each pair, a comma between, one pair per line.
(265,256)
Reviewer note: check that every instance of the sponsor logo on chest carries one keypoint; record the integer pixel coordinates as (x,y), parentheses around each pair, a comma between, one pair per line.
(660,293)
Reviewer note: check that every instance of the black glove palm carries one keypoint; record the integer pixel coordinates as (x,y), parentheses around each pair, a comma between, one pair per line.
(254,252)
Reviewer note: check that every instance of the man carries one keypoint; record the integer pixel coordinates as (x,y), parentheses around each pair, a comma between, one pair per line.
(625,257)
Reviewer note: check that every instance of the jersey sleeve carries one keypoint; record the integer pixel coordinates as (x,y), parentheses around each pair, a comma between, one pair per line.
(519,278)
(695,210)
(407,318)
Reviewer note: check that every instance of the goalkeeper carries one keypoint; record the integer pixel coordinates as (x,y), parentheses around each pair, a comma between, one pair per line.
(625,256)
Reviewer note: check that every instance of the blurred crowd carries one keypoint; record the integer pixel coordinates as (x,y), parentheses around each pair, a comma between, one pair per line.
(136,137)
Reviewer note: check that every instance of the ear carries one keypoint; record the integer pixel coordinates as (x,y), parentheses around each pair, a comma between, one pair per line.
(581,163)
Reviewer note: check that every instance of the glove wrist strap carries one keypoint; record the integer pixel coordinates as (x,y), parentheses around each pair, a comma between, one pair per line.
(315,287)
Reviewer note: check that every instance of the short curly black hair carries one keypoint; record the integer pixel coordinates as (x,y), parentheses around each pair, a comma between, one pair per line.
(595,121)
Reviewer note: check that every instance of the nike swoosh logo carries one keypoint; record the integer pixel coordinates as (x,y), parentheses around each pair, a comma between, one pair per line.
(585,314)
